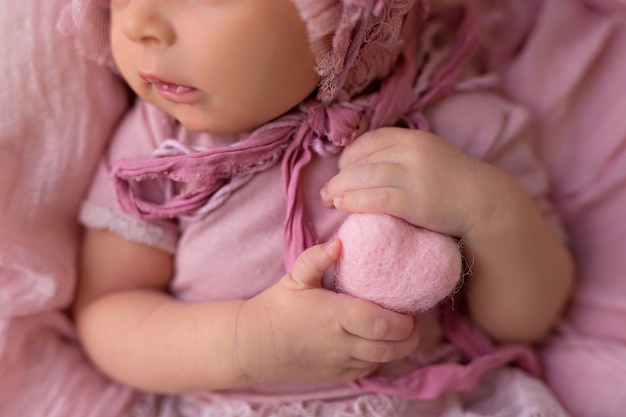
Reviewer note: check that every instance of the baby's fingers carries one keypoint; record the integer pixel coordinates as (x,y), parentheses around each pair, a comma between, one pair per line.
(369,145)
(381,351)
(368,321)
(361,371)
(309,267)
(383,180)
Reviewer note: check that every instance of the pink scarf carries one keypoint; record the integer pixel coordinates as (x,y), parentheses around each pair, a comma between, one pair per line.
(311,127)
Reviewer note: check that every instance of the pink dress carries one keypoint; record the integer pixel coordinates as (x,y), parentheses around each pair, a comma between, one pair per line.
(248,228)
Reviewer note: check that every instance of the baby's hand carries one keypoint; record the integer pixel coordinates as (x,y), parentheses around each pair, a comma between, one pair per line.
(414,175)
(298,331)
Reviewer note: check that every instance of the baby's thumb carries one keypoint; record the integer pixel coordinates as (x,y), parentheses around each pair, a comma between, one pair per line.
(309,267)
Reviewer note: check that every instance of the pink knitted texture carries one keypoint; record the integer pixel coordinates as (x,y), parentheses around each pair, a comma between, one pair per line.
(396,265)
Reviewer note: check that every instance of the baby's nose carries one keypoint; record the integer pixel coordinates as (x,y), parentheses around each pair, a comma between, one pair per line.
(145,21)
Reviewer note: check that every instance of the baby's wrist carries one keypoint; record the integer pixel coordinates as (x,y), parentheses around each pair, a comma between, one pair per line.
(497,211)
(248,344)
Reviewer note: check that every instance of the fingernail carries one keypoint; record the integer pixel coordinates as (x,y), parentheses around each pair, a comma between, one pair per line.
(331,246)
(338,200)
(324,191)
(325,196)
(329,243)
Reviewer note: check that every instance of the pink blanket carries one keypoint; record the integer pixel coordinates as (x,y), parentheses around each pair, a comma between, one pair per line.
(572,74)
(58,111)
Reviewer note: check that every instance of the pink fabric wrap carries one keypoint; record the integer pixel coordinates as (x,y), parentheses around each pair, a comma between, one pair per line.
(571,74)
(58,112)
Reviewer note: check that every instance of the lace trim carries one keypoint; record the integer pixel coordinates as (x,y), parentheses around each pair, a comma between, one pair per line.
(367,405)
(338,29)
(98,217)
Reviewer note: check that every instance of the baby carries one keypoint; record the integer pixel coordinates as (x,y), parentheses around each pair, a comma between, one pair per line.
(258,126)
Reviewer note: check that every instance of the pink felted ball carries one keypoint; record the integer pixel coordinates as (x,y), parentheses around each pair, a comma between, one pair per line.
(394,264)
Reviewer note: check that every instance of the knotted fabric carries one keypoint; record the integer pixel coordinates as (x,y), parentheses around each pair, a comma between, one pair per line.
(195,181)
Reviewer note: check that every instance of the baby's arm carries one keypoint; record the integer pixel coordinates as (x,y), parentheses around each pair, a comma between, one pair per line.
(296,331)
(522,274)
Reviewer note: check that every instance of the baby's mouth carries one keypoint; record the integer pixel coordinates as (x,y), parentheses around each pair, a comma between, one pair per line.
(169,90)
(173,88)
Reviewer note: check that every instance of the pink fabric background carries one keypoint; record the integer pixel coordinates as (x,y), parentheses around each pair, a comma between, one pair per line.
(571,73)
(57,111)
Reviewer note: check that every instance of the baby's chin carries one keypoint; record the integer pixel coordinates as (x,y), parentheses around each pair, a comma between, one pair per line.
(223,135)
(210,117)
(196,120)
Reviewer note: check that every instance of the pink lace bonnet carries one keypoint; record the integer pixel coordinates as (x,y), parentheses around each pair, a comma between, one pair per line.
(354,42)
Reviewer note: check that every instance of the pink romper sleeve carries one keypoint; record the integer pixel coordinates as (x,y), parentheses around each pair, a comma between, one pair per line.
(138,135)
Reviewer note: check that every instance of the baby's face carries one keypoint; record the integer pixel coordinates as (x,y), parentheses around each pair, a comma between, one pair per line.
(221,66)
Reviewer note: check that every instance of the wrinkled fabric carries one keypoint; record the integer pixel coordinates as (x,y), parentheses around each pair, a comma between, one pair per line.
(571,75)
(57,112)
(43,136)
(516,394)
